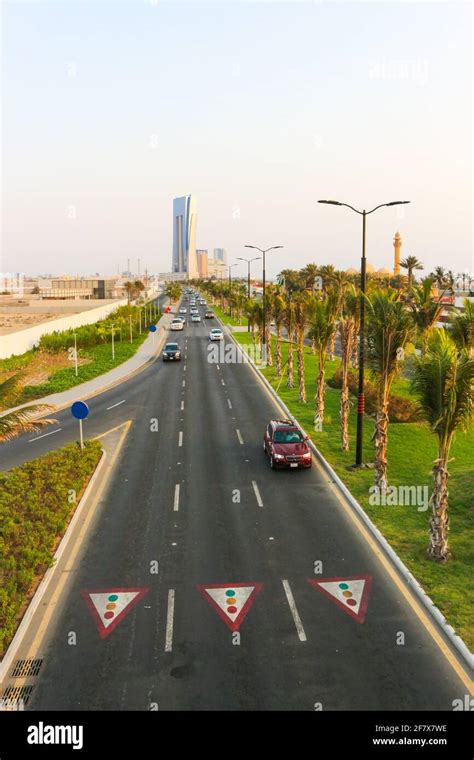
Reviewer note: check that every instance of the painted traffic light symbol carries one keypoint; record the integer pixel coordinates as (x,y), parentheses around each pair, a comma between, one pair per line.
(231,601)
(109,606)
(351,594)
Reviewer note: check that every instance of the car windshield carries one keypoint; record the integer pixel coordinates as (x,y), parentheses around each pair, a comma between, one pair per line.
(171,347)
(287,436)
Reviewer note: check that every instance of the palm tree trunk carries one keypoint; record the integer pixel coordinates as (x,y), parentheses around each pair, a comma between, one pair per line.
(278,351)
(381,441)
(301,377)
(346,331)
(355,353)
(290,381)
(332,345)
(319,414)
(268,342)
(439,522)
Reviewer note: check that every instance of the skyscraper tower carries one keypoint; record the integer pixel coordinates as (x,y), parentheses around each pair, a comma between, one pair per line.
(397,244)
(184,236)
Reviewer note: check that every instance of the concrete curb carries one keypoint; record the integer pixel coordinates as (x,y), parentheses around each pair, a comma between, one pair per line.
(445,628)
(16,642)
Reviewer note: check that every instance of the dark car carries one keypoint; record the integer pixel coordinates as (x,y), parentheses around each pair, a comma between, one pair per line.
(171,353)
(286,445)
(208,315)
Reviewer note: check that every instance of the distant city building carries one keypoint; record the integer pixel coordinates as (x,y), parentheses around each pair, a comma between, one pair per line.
(78,288)
(216,268)
(184,236)
(202,262)
(220,254)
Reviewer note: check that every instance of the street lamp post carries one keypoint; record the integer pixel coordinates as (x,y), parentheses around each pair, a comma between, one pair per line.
(363,279)
(257,258)
(263,251)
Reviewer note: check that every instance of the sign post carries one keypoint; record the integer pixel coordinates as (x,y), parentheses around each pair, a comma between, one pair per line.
(153,332)
(79,411)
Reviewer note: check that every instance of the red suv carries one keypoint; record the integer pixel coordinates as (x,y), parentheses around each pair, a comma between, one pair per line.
(286,445)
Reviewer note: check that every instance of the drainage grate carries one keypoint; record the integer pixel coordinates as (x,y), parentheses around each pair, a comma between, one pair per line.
(16,696)
(25,668)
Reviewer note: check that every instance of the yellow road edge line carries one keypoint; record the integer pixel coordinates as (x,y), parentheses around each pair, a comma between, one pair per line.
(66,572)
(414,604)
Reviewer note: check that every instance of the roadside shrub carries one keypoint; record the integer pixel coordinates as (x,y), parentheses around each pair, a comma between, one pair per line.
(399,410)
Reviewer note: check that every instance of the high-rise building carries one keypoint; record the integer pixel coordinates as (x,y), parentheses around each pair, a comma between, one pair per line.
(220,255)
(184,236)
(202,259)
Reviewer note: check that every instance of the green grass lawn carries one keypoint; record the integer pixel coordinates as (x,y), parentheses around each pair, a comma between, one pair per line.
(228,320)
(36,504)
(411,451)
(99,361)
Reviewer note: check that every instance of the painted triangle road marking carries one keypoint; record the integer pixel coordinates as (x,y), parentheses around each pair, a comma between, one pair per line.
(350,593)
(110,605)
(231,601)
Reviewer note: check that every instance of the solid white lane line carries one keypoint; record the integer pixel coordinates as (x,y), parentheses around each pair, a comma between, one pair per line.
(294,611)
(176,498)
(182,405)
(230,405)
(257,494)
(32,440)
(239,436)
(114,405)
(184,383)
(169,622)
(180,442)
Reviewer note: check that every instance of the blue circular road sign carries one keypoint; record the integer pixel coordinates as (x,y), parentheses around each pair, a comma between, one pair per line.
(152,328)
(79,410)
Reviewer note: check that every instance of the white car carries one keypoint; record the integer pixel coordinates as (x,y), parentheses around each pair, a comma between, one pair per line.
(176,324)
(216,334)
(183,310)
(195,318)
(203,302)
(194,310)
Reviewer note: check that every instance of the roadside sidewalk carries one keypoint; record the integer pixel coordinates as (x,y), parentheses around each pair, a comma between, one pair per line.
(145,354)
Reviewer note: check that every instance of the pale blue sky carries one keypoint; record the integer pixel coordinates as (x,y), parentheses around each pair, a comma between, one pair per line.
(258,108)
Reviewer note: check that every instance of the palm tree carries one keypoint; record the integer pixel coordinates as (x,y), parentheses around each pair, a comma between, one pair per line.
(323,325)
(389,328)
(348,325)
(309,275)
(443,380)
(462,327)
(129,290)
(410,263)
(20,421)
(425,309)
(303,307)
(138,287)
(270,292)
(327,272)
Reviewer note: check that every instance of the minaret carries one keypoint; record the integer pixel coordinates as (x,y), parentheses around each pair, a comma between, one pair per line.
(397,244)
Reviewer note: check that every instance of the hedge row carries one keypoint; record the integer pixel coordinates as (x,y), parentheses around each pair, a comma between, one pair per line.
(399,409)
(36,503)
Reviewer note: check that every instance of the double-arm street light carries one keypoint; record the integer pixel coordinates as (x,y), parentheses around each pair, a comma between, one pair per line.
(363,278)
(240,258)
(263,251)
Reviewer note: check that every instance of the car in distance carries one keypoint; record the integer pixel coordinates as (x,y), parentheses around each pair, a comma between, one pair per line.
(172,353)
(183,310)
(216,334)
(208,315)
(176,324)
(195,318)
(286,446)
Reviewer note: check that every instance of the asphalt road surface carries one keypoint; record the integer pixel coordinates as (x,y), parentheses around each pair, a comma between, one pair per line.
(233,522)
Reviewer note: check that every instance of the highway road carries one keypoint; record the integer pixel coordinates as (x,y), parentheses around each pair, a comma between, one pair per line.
(194,522)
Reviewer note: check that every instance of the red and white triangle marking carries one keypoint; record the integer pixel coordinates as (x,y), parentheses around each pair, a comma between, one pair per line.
(233,607)
(109,606)
(350,593)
